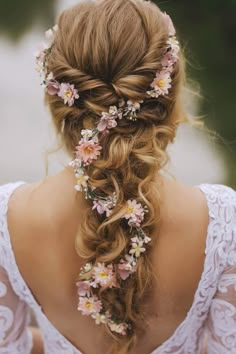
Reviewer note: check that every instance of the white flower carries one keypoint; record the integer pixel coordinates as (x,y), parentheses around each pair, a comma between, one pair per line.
(99,319)
(147,239)
(137,247)
(87,133)
(174,47)
(50,35)
(76,164)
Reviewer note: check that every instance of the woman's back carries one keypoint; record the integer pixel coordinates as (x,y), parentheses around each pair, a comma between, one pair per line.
(43,220)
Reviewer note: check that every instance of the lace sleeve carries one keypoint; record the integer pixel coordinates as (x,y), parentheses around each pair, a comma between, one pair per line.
(15,338)
(221,323)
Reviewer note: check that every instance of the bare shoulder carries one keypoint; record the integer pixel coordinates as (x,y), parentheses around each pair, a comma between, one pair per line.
(180,250)
(43,222)
(42,208)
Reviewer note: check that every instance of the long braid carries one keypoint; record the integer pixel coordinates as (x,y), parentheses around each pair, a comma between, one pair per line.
(108,68)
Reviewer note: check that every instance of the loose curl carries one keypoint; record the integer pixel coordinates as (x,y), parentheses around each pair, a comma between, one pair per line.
(111,50)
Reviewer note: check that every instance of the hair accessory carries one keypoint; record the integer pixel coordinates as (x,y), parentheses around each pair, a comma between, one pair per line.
(64,90)
(100,275)
(162,82)
(97,276)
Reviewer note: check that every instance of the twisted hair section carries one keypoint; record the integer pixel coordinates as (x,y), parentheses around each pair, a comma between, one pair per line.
(111,50)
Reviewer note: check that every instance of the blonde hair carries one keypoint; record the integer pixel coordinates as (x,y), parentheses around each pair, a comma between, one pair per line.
(111,50)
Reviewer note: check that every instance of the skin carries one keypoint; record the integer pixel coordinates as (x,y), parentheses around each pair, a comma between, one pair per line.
(43,219)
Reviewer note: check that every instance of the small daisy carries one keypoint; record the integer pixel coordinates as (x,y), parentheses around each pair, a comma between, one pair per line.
(134,213)
(87,151)
(162,83)
(68,93)
(89,305)
(104,275)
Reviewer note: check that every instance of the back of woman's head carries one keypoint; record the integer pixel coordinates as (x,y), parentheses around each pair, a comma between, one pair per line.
(111,50)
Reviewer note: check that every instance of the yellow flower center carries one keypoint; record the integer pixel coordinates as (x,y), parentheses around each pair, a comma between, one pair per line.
(130,210)
(88,305)
(88,150)
(80,179)
(103,275)
(68,94)
(161,83)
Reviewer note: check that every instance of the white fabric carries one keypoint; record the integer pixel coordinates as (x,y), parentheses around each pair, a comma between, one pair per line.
(209,327)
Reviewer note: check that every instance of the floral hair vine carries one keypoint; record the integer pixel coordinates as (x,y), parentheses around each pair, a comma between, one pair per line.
(96,276)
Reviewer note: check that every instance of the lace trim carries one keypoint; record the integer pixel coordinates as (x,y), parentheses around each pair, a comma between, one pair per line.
(219,199)
(54,341)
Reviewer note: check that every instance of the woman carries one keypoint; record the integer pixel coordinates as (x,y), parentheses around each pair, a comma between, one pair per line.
(128,261)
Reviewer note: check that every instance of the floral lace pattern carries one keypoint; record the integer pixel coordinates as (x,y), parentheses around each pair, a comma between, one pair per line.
(210,325)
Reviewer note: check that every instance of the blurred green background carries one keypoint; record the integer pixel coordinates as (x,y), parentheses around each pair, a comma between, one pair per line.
(207,31)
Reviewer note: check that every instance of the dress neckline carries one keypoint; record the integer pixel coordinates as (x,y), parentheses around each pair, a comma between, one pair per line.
(37,307)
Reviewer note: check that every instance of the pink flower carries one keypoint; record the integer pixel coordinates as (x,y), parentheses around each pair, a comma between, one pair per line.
(174,48)
(115,112)
(134,213)
(161,84)
(106,122)
(88,150)
(52,86)
(99,206)
(89,305)
(105,206)
(104,275)
(168,61)
(120,328)
(68,93)
(124,269)
(108,119)
(137,247)
(83,288)
(169,23)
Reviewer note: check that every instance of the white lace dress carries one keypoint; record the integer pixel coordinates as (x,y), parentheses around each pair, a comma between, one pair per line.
(209,327)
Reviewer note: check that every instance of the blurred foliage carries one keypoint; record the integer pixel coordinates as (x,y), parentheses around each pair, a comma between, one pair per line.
(207,31)
(18,17)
